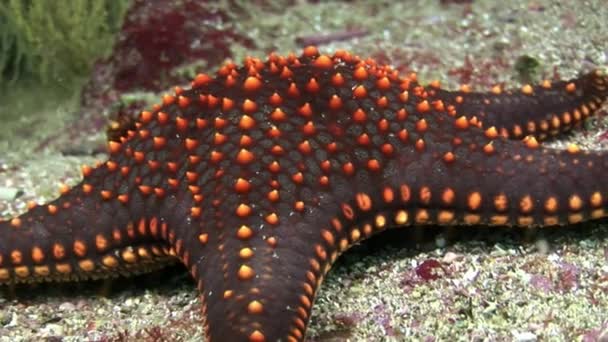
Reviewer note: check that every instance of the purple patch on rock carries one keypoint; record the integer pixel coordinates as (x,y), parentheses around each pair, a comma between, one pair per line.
(597,335)
(156,38)
(568,276)
(348,318)
(430,270)
(542,283)
(383,318)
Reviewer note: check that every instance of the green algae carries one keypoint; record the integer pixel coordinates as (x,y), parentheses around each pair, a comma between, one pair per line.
(55,40)
(527,68)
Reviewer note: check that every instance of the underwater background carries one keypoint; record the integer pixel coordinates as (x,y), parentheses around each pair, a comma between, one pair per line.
(73,73)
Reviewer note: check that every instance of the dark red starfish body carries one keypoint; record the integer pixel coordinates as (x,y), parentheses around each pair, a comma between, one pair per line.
(259,178)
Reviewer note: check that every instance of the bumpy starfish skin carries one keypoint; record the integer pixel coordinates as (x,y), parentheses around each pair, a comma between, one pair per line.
(259,178)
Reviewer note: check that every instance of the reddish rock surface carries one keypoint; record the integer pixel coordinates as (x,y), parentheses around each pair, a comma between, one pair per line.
(157,37)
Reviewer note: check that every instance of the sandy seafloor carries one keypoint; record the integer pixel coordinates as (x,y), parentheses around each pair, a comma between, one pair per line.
(497,284)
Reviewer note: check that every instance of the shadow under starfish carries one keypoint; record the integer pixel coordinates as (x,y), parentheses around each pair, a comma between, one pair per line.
(258,178)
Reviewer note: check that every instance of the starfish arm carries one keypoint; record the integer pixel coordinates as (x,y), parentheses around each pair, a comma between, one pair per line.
(257,276)
(114,222)
(79,236)
(544,110)
(500,182)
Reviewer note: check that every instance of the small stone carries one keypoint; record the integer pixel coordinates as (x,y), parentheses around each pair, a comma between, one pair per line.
(450,257)
(5,318)
(440,241)
(13,320)
(8,194)
(525,336)
(52,330)
(471,274)
(67,306)
(543,246)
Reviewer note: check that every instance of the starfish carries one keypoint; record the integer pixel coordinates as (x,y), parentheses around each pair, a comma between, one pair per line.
(257,179)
